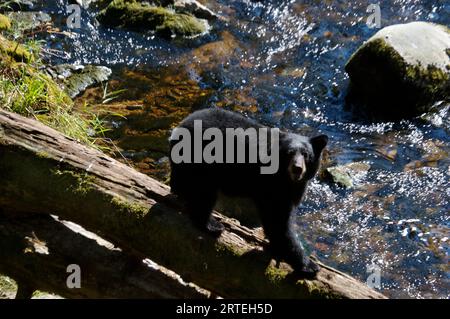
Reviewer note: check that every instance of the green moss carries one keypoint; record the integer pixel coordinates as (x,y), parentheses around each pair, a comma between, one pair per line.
(83,184)
(380,49)
(43,154)
(315,289)
(221,248)
(275,274)
(5,23)
(15,50)
(340,177)
(135,15)
(376,51)
(182,24)
(127,206)
(430,77)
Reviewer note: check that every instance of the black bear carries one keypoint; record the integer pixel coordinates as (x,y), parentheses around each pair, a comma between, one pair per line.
(198,180)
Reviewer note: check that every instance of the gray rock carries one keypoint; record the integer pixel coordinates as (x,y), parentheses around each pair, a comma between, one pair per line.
(75,79)
(29,20)
(402,70)
(195,8)
(347,175)
(141,16)
(86,3)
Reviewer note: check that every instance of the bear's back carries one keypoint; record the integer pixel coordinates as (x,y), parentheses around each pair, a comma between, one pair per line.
(218,118)
(231,178)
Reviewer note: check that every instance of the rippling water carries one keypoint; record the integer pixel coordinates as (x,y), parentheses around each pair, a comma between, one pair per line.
(283,62)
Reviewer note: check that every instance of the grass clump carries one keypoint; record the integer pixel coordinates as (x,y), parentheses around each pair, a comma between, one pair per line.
(14,50)
(28,91)
(5,23)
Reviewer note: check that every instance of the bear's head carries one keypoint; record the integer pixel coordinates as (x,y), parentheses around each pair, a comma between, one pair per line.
(302,155)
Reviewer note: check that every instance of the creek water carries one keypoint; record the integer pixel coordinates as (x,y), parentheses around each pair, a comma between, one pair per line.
(282,62)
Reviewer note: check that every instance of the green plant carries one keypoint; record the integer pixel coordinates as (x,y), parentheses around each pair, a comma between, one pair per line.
(110,96)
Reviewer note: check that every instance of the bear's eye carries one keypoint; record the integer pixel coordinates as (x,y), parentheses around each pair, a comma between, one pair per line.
(305,155)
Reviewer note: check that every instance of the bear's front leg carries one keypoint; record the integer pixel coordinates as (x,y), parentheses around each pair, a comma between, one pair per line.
(284,243)
(296,256)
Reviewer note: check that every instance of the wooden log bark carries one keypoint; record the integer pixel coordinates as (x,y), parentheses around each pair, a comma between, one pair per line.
(36,251)
(43,171)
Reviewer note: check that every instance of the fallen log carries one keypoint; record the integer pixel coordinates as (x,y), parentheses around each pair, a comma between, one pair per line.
(37,250)
(43,171)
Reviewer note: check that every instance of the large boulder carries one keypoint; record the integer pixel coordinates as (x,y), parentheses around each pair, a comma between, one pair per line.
(401,70)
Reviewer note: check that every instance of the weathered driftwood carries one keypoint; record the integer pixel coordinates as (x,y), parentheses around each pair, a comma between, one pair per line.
(43,171)
(37,250)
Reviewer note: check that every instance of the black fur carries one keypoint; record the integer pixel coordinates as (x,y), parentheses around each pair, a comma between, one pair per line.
(275,195)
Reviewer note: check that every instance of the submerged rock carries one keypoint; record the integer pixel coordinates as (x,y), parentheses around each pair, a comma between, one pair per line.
(433,152)
(5,23)
(134,15)
(347,175)
(77,78)
(401,70)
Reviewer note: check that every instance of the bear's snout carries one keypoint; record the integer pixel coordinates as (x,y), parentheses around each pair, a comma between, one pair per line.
(297,168)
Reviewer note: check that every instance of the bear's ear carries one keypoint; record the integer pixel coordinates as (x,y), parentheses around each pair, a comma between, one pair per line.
(318,143)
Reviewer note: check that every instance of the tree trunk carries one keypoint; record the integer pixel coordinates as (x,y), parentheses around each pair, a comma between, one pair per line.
(45,172)
(37,250)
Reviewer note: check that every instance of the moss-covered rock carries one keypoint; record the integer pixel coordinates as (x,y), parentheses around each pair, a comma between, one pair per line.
(134,15)
(5,23)
(402,70)
(29,20)
(347,175)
